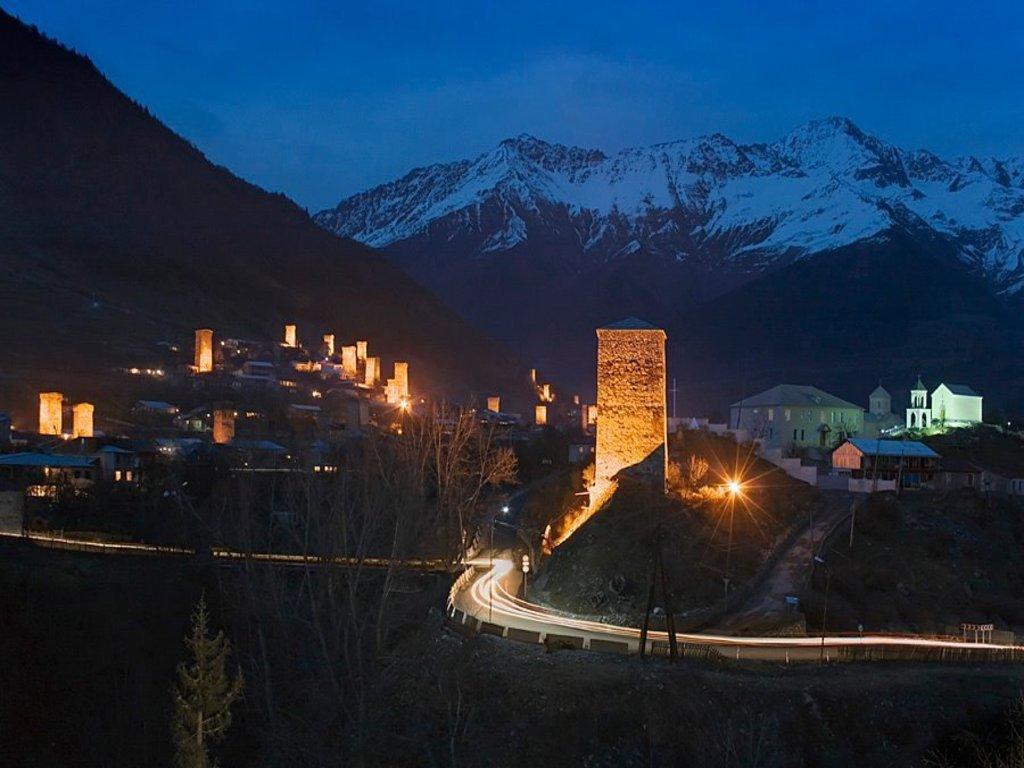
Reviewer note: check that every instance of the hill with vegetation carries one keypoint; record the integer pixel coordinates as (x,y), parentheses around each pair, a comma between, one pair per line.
(117,234)
(706,535)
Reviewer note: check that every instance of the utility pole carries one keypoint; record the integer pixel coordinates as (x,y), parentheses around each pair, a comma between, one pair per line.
(658,575)
(824,615)
(853,519)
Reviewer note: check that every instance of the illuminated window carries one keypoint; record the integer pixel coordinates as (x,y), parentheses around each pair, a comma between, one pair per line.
(788,414)
(117,475)
(771,414)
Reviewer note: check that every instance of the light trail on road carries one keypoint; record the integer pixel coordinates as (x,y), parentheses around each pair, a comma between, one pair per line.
(223,554)
(487,595)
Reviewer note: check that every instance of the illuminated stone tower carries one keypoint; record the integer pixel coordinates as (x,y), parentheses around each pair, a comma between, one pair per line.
(540,415)
(81,422)
(361,349)
(402,379)
(290,338)
(371,374)
(223,426)
(329,344)
(349,362)
(51,413)
(631,428)
(494,403)
(204,350)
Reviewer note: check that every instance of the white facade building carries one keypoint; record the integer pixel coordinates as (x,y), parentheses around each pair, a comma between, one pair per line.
(918,414)
(955,405)
(950,405)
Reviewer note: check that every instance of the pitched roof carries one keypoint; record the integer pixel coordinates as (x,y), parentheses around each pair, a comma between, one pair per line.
(63,461)
(879,392)
(959,389)
(796,395)
(892,447)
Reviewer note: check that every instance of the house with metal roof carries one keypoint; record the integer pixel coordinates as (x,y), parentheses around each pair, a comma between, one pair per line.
(796,416)
(44,471)
(909,462)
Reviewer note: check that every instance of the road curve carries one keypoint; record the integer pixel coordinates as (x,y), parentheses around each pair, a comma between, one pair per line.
(483,593)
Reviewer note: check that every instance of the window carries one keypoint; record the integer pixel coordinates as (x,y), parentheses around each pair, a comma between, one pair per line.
(771,414)
(117,475)
(801,434)
(794,434)
(788,414)
(128,475)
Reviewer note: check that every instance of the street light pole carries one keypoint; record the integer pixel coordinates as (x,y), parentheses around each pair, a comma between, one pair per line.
(490,584)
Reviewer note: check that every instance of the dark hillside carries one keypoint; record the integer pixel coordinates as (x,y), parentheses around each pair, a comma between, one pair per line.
(115,233)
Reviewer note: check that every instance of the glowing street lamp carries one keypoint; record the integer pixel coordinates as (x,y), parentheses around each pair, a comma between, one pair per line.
(734,487)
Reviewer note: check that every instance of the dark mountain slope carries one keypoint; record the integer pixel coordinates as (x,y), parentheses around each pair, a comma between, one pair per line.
(882,309)
(116,233)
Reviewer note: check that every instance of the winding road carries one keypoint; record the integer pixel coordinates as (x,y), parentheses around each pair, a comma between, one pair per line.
(485,594)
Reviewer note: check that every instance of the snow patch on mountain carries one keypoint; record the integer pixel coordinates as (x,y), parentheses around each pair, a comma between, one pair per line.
(824,185)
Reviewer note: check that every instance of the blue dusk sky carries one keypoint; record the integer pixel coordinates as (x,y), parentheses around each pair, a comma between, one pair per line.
(323,99)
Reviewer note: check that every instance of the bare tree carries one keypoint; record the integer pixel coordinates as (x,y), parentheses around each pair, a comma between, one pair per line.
(319,636)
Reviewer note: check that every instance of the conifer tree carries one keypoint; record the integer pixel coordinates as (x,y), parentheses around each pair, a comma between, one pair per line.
(203,694)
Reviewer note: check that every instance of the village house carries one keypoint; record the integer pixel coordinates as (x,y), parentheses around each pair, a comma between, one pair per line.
(796,416)
(909,462)
(42,474)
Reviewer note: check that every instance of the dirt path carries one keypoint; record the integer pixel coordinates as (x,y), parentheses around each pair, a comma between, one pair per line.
(766,607)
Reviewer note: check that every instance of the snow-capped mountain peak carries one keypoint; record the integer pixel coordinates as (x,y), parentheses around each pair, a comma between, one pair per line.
(707,200)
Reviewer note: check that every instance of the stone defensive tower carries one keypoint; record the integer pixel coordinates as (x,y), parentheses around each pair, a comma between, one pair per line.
(402,378)
(81,420)
(361,349)
(371,372)
(494,403)
(631,426)
(349,361)
(540,415)
(204,350)
(290,337)
(329,344)
(51,413)
(223,426)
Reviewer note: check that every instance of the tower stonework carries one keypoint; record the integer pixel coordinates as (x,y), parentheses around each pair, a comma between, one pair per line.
(349,361)
(204,350)
(81,420)
(631,426)
(371,372)
(223,426)
(51,413)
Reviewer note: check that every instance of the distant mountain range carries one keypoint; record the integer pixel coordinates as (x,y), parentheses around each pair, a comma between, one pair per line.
(538,243)
(116,234)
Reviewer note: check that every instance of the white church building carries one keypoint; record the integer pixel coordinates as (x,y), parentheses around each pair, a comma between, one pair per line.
(950,405)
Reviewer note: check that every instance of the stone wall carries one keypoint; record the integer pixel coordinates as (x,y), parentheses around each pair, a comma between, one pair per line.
(630,402)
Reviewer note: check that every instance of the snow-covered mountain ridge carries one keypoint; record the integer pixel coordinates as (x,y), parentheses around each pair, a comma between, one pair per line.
(709,200)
